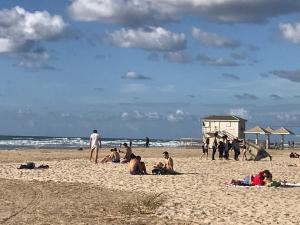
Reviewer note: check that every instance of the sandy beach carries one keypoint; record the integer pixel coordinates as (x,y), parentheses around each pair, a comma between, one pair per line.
(76,191)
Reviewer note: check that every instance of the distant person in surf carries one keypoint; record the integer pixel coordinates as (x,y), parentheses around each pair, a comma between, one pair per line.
(95,144)
(147,142)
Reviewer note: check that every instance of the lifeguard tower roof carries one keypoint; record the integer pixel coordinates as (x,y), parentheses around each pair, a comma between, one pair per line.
(223,118)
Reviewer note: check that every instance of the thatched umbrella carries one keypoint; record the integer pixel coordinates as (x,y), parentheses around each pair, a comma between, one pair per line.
(282,131)
(270,130)
(256,130)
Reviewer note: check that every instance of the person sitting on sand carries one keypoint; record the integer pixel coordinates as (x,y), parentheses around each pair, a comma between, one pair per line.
(128,154)
(113,157)
(166,167)
(261,179)
(294,155)
(135,166)
(143,166)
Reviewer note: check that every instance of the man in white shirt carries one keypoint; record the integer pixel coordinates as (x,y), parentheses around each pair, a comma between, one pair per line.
(95,143)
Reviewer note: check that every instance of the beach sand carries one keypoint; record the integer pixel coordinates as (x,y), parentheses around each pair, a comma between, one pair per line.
(76,191)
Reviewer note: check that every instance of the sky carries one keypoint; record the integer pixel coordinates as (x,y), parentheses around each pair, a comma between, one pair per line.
(137,68)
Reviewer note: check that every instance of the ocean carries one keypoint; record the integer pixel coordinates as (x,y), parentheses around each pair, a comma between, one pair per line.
(36,142)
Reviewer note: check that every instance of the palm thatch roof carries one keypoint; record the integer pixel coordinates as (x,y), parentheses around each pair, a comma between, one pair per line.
(257,130)
(283,131)
(270,130)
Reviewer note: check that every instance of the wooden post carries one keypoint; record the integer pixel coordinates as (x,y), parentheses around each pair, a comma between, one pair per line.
(282,141)
(256,141)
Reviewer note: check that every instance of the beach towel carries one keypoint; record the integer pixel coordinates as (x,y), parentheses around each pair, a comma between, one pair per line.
(278,184)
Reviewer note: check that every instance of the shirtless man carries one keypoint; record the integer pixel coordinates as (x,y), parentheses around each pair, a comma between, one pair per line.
(134,166)
(128,154)
(164,168)
(168,165)
(95,144)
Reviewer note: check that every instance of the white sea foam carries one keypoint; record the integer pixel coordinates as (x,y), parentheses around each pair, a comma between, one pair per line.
(75,142)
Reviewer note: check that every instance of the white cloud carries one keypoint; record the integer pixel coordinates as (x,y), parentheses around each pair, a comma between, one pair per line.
(287,117)
(138,12)
(19,28)
(212,39)
(178,57)
(132,12)
(206,60)
(241,112)
(291,32)
(131,75)
(124,116)
(137,115)
(178,116)
(151,39)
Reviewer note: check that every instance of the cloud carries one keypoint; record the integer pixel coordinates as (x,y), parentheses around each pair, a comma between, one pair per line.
(290,75)
(275,97)
(137,115)
(149,39)
(131,75)
(178,57)
(297,96)
(206,60)
(241,112)
(21,33)
(212,39)
(291,32)
(230,76)
(287,117)
(246,96)
(243,56)
(137,12)
(128,12)
(19,28)
(178,116)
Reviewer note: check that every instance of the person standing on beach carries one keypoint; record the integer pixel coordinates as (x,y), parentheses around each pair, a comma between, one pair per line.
(95,144)
(214,146)
(236,148)
(226,149)
(205,148)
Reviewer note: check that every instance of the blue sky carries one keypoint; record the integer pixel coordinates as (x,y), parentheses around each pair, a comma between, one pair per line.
(133,68)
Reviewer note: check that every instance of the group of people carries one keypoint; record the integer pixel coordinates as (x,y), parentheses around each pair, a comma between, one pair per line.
(224,146)
(135,164)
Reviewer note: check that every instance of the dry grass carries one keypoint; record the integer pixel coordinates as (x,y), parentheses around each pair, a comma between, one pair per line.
(143,205)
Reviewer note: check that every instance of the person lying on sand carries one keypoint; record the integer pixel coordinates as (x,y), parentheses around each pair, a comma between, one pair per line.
(135,166)
(166,167)
(261,179)
(113,157)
